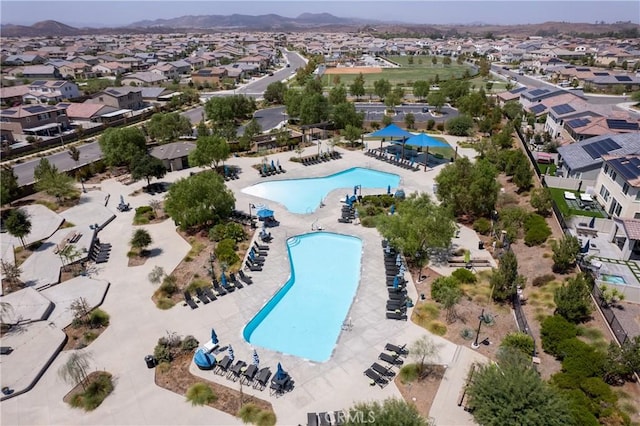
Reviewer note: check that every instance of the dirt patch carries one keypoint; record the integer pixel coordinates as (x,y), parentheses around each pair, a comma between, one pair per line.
(177,378)
(137,260)
(353,70)
(81,336)
(78,389)
(422,392)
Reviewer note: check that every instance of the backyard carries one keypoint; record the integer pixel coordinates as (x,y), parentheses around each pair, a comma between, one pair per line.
(574,209)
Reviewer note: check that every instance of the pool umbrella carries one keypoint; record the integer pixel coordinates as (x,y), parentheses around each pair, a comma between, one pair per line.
(121,199)
(278,163)
(226,170)
(251,256)
(402,270)
(214,337)
(256,359)
(231,355)
(264,213)
(392,209)
(592,223)
(387,249)
(264,167)
(398,260)
(396,282)
(388,189)
(355,190)
(280,374)
(273,165)
(223,278)
(585,248)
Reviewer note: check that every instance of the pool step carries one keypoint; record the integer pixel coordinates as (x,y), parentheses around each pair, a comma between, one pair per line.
(293,241)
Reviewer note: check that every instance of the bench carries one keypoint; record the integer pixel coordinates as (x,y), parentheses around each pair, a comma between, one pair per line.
(587,232)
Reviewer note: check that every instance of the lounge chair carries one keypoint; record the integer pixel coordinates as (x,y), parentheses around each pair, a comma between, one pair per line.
(281,169)
(222,366)
(343,220)
(187,298)
(236,370)
(261,246)
(247,279)
(228,288)
(249,374)
(312,419)
(209,292)
(383,371)
(398,296)
(391,359)
(220,291)
(256,259)
(258,252)
(201,296)
(262,378)
(376,379)
(397,305)
(234,280)
(396,316)
(252,267)
(399,350)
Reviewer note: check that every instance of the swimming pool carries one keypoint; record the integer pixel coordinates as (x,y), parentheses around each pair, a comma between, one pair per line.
(304,318)
(615,279)
(304,195)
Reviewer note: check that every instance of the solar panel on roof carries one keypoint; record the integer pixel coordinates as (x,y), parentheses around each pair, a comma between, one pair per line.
(628,167)
(621,124)
(57,83)
(39,83)
(537,109)
(113,92)
(578,122)
(563,109)
(8,112)
(538,92)
(598,149)
(583,69)
(601,74)
(35,109)
(622,78)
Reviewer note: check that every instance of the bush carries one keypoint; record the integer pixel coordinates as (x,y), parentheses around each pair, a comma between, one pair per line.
(554,331)
(431,124)
(162,353)
(368,221)
(217,233)
(409,373)
(536,230)
(266,418)
(440,285)
(465,276)
(226,251)
(164,303)
(482,226)
(200,394)
(519,341)
(95,393)
(169,285)
(437,327)
(581,360)
(143,210)
(189,343)
(249,413)
(541,280)
(98,318)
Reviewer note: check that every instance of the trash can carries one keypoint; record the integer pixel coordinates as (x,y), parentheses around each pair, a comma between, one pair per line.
(150,360)
(480,245)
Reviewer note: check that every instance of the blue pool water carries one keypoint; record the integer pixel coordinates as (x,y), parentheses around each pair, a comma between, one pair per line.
(304,195)
(615,279)
(304,318)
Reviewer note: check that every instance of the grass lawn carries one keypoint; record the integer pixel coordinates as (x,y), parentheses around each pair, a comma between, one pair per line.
(547,169)
(558,196)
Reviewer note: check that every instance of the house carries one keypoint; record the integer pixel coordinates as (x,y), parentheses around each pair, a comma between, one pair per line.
(258,62)
(23,60)
(41,72)
(211,76)
(109,68)
(589,126)
(129,98)
(181,66)
(583,160)
(12,95)
(86,111)
(33,120)
(626,235)
(75,70)
(175,156)
(47,91)
(618,185)
(144,78)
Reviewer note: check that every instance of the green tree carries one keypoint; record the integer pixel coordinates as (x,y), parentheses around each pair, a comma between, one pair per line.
(200,394)
(18,224)
(622,361)
(147,167)
(337,95)
(455,89)
(225,251)
(434,60)
(573,299)
(252,129)
(468,188)
(210,151)
(352,134)
(473,104)
(11,272)
(523,176)
(505,280)
(418,226)
(446,60)
(541,201)
(51,181)
(437,100)
(635,96)
(461,125)
(519,341)
(344,114)
(513,109)
(424,351)
(484,67)
(141,239)
(199,200)
(313,86)
(446,290)
(409,120)
(229,109)
(421,89)
(391,412)
(275,92)
(293,100)
(565,252)
(314,109)
(386,120)
(357,87)
(120,145)
(381,88)
(9,187)
(512,392)
(168,126)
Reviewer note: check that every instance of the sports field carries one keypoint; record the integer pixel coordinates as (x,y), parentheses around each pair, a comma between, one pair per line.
(406,74)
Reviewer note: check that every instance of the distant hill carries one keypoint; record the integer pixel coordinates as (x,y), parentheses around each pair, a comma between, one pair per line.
(43,28)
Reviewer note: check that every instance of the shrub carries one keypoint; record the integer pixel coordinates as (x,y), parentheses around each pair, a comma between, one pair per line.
(165,303)
(431,124)
(482,225)
(437,327)
(554,331)
(225,251)
(541,280)
(266,418)
(518,341)
(581,360)
(200,394)
(143,210)
(573,299)
(536,230)
(189,343)
(409,373)
(440,285)
(169,285)
(98,318)
(95,393)
(162,353)
(249,413)
(465,276)
(89,336)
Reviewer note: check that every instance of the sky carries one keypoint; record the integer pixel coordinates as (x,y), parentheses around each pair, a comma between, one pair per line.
(95,13)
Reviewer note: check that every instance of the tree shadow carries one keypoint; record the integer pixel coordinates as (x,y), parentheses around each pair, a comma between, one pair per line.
(153,252)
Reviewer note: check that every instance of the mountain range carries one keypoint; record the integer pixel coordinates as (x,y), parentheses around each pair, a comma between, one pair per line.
(306,21)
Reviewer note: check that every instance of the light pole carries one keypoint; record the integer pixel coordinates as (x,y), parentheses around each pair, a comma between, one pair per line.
(475,344)
(82,183)
(251,206)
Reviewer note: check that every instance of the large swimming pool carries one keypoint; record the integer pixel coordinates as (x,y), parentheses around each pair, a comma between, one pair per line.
(304,318)
(304,195)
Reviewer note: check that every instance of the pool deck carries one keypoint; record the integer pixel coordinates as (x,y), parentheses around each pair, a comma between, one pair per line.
(136,323)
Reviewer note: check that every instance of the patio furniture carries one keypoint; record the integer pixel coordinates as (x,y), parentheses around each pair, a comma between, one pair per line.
(201,296)
(187,298)
(236,370)
(391,359)
(383,371)
(252,267)
(222,366)
(262,378)
(312,419)
(569,195)
(249,374)
(396,316)
(324,419)
(400,350)
(247,279)
(209,293)
(376,379)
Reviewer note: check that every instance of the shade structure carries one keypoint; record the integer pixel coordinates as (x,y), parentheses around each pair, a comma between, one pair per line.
(204,360)
(273,165)
(280,373)
(391,131)
(264,213)
(585,248)
(214,337)
(230,353)
(121,199)
(592,223)
(256,358)
(278,163)
(423,140)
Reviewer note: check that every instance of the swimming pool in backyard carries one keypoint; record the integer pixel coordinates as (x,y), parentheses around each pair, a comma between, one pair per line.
(304,195)
(304,318)
(615,279)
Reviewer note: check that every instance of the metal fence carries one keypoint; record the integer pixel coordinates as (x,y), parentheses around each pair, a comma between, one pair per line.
(521,319)
(609,315)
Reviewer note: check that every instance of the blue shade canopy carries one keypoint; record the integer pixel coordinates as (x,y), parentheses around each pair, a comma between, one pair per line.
(204,360)
(264,213)
(214,337)
(391,131)
(424,140)
(280,373)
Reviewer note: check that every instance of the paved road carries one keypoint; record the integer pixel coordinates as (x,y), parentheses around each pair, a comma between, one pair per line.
(375,112)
